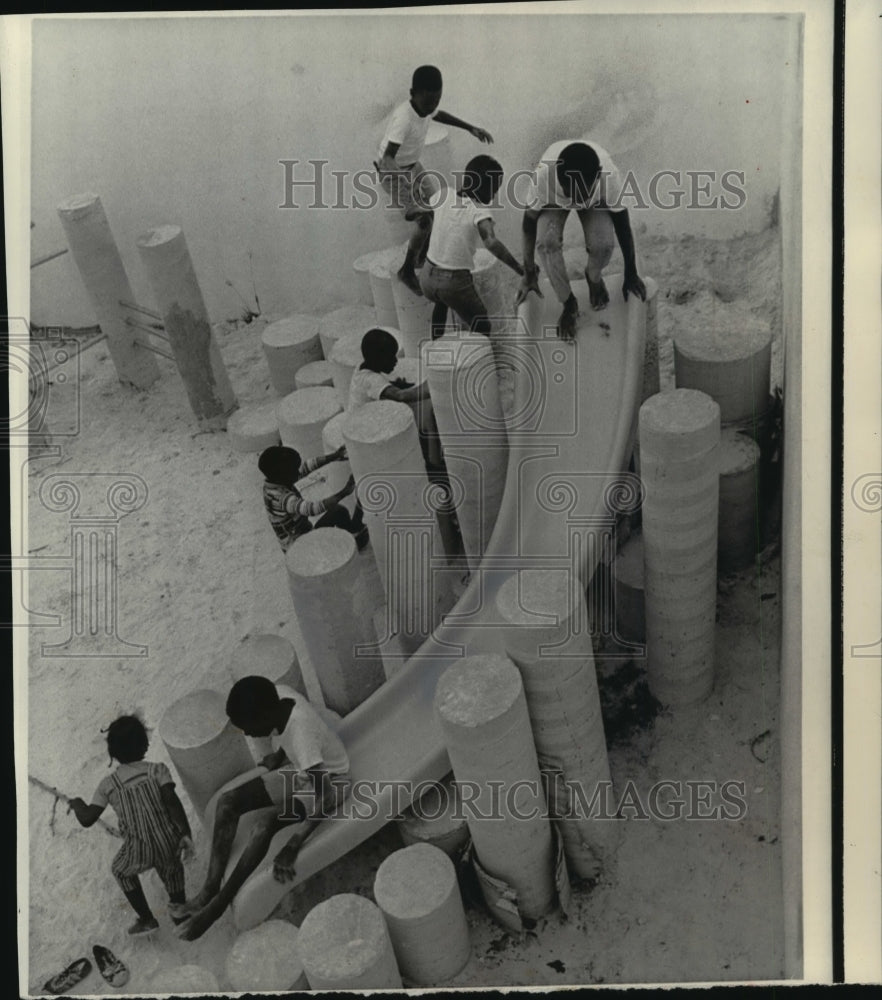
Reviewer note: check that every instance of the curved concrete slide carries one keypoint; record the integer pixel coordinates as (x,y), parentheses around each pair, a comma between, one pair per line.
(570,437)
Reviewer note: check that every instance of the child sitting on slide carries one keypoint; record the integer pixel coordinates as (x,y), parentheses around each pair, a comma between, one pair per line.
(152,820)
(288,512)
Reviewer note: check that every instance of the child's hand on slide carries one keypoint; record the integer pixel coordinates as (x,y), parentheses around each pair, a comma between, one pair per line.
(402,383)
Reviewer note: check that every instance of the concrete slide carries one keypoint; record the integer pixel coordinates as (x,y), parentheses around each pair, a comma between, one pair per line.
(570,438)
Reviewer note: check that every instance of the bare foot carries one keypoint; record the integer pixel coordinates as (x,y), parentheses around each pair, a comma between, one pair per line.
(199,922)
(409,278)
(190,906)
(566,325)
(597,293)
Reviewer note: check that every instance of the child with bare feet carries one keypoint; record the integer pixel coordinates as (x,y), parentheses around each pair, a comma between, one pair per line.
(152,820)
(577,175)
(305,776)
(399,169)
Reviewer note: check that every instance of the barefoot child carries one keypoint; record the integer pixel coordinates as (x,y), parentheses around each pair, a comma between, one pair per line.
(399,169)
(288,512)
(459,220)
(152,820)
(306,772)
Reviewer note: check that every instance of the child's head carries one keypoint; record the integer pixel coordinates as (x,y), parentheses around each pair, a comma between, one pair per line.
(127,739)
(379,350)
(279,464)
(481,178)
(577,170)
(252,704)
(425,89)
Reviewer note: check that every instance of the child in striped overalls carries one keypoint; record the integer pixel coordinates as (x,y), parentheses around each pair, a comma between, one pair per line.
(152,820)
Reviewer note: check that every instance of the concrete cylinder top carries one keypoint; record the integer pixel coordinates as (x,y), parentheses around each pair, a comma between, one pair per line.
(314,373)
(255,427)
(291,331)
(348,319)
(313,405)
(265,655)
(478,690)
(266,958)
(531,593)
(194,720)
(683,421)
(185,979)
(414,881)
(727,340)
(320,552)
(738,453)
(385,423)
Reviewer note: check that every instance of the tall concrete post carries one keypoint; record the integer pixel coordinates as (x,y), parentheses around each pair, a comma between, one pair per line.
(94,251)
(461,373)
(548,638)
(414,318)
(680,467)
(384,451)
(482,711)
(167,262)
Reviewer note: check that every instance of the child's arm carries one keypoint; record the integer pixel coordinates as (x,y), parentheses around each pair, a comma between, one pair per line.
(447,119)
(497,247)
(530,281)
(175,810)
(388,162)
(412,395)
(87,815)
(632,283)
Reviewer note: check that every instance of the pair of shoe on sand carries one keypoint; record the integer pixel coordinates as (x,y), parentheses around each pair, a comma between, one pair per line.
(110,967)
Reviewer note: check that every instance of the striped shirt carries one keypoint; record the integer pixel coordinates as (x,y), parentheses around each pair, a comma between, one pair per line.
(150,837)
(288,512)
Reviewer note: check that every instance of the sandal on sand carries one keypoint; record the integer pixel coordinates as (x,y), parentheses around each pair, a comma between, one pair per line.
(75,973)
(113,970)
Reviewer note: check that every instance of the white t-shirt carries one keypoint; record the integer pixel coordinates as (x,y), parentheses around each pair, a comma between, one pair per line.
(545,191)
(307,740)
(408,129)
(366,387)
(455,233)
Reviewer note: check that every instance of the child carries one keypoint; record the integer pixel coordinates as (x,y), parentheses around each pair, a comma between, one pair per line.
(288,512)
(152,820)
(370,380)
(399,169)
(306,772)
(459,220)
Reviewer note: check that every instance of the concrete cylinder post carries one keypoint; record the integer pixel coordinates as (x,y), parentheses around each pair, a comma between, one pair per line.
(169,268)
(730,363)
(482,710)
(203,745)
(270,656)
(288,345)
(346,356)
(414,318)
(465,397)
(184,980)
(344,944)
(347,319)
(651,371)
(738,541)
(436,817)
(486,276)
(361,269)
(324,577)
(266,959)
(97,258)
(547,637)
(629,590)
(314,374)
(255,427)
(383,271)
(384,451)
(417,891)
(680,468)
(303,414)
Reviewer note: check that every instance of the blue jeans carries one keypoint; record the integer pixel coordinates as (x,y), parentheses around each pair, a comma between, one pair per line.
(455,290)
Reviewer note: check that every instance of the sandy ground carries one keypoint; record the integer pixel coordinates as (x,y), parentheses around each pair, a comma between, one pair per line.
(199,569)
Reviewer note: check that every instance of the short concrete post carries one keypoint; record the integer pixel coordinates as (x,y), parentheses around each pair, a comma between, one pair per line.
(97,258)
(436,817)
(461,372)
(344,945)
(255,427)
(384,451)
(326,586)
(185,980)
(288,345)
(482,710)
(265,959)
(413,371)
(731,363)
(270,656)
(347,319)
(382,273)
(739,502)
(417,891)
(680,468)
(167,262)
(346,356)
(414,318)
(314,374)
(556,661)
(302,415)
(203,745)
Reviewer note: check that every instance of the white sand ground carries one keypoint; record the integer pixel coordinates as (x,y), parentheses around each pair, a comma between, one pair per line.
(199,569)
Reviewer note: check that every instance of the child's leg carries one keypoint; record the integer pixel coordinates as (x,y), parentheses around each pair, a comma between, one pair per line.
(172,875)
(439,320)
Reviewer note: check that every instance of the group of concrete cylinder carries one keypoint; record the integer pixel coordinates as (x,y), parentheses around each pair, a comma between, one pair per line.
(698,457)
